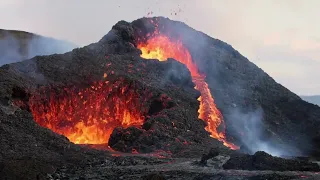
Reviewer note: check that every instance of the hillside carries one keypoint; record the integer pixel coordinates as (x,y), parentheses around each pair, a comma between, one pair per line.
(19,45)
(312,99)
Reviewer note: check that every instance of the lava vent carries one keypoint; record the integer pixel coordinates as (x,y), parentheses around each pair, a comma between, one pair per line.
(89,115)
(157,45)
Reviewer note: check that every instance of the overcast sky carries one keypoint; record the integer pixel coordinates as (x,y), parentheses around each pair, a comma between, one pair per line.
(280,36)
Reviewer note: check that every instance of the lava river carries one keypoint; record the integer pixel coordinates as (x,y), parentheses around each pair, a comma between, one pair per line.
(161,47)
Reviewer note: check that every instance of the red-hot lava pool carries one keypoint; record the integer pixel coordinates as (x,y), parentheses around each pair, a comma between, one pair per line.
(161,47)
(88,116)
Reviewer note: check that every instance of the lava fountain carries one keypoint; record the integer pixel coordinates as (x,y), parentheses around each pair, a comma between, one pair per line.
(161,47)
(89,115)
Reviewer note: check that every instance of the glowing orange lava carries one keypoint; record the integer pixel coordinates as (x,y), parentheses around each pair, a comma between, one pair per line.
(161,47)
(88,116)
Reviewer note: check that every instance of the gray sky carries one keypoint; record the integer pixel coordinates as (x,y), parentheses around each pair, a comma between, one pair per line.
(281,36)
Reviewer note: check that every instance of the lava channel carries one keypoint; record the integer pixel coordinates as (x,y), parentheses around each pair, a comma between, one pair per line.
(160,47)
(89,115)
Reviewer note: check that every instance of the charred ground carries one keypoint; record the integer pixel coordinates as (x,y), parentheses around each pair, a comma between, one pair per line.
(171,122)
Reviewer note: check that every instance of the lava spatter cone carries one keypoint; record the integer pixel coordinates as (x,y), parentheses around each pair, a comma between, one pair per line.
(107,92)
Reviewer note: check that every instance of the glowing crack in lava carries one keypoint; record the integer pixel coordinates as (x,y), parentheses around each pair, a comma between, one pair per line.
(88,116)
(161,47)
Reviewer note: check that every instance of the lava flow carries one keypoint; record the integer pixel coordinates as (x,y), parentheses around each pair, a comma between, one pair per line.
(161,47)
(88,116)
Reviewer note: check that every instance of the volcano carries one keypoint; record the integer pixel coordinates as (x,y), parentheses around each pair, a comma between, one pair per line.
(152,98)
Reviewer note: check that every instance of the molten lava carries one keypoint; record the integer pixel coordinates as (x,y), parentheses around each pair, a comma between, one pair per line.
(88,116)
(161,47)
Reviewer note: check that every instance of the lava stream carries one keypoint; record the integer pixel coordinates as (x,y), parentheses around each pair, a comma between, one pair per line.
(161,47)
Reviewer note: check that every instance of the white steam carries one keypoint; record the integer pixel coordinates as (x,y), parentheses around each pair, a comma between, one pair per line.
(251,126)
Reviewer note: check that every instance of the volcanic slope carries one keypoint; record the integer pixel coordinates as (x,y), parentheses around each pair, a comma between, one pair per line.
(240,88)
(60,93)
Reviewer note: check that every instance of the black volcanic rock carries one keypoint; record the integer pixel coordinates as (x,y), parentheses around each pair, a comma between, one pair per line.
(154,177)
(171,122)
(263,161)
(212,153)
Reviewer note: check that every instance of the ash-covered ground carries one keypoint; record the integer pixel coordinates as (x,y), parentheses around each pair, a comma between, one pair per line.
(172,143)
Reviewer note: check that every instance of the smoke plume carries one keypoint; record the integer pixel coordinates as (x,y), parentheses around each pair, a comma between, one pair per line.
(250,125)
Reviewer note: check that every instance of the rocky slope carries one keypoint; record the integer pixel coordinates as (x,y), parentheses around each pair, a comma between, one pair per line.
(19,45)
(172,139)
